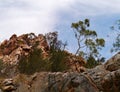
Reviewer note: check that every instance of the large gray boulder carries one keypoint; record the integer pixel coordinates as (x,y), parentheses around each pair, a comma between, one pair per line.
(55,82)
(92,80)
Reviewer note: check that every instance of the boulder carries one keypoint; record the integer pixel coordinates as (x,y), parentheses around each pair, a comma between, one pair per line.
(55,82)
(92,80)
(113,63)
(111,82)
(8,85)
(11,50)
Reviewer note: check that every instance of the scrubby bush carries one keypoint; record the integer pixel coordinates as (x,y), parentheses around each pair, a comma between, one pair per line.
(53,42)
(57,53)
(1,64)
(91,62)
(34,62)
(58,61)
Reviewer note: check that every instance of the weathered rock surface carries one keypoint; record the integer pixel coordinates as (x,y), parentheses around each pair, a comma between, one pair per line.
(13,49)
(8,86)
(103,78)
(94,80)
(98,79)
(55,82)
(113,63)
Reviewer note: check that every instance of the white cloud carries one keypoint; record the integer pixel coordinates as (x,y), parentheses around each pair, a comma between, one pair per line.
(41,16)
(24,16)
(95,7)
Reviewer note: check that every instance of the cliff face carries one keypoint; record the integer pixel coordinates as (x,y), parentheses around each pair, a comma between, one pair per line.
(92,80)
(11,50)
(103,78)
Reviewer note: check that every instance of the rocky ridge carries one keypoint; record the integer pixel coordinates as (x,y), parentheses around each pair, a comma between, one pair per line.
(102,78)
(13,49)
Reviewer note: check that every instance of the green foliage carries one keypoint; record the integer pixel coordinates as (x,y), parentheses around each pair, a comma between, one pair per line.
(58,61)
(33,63)
(91,62)
(57,52)
(116,44)
(88,43)
(1,65)
(53,42)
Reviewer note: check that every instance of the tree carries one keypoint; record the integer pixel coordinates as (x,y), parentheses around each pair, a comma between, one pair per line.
(91,62)
(1,65)
(57,53)
(53,42)
(116,44)
(58,61)
(34,62)
(88,43)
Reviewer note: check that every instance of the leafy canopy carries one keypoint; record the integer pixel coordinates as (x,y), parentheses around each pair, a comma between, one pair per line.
(116,44)
(88,43)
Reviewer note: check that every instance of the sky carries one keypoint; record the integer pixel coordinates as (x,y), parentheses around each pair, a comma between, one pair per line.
(43,16)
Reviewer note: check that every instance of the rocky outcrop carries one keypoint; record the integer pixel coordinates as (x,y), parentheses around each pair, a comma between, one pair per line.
(111,82)
(8,85)
(54,82)
(94,80)
(16,47)
(102,78)
(113,63)
(75,63)
(70,82)
(11,50)
(105,80)
(98,79)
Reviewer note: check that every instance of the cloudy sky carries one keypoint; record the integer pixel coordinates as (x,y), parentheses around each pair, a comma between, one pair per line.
(42,16)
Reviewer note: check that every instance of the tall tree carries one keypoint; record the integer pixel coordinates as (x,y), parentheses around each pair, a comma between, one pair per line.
(53,42)
(57,53)
(116,44)
(88,43)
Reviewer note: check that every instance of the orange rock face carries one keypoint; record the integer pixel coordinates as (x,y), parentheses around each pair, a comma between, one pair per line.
(12,49)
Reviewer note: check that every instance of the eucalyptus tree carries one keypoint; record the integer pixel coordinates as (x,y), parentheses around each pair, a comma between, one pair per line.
(116,43)
(53,42)
(88,42)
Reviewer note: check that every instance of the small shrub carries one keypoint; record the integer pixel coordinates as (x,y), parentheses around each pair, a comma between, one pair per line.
(1,64)
(33,63)
(54,62)
(91,62)
(57,53)
(58,59)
